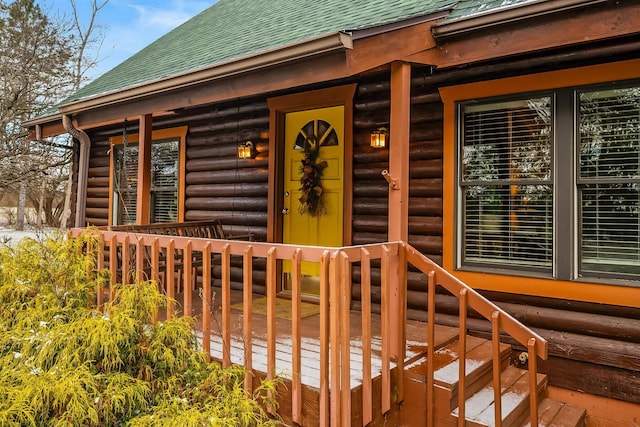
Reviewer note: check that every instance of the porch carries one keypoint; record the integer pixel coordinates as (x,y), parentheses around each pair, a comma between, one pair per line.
(341,366)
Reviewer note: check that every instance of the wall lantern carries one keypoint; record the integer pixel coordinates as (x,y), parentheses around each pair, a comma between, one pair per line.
(246,150)
(379,138)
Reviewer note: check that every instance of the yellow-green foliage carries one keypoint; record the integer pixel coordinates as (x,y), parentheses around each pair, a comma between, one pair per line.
(64,363)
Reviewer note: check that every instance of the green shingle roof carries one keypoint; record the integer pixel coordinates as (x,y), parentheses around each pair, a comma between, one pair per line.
(233,29)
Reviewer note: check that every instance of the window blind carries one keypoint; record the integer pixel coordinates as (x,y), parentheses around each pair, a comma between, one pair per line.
(506,182)
(609,181)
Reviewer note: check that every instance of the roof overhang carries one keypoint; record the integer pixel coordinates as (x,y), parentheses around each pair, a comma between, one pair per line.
(319,45)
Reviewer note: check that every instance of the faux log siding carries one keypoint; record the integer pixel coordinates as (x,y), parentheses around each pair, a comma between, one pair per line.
(98,183)
(221,186)
(218,184)
(371,192)
(371,110)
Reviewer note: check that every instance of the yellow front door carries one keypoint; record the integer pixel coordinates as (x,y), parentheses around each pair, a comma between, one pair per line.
(313,180)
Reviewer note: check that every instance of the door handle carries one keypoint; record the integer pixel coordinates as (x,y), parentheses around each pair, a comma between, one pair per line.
(285,211)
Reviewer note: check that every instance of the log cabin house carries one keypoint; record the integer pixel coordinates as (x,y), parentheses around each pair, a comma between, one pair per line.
(442,174)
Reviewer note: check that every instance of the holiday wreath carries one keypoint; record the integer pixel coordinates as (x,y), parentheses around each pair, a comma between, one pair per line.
(311,183)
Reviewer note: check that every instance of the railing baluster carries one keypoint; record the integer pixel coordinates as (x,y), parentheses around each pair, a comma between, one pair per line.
(140,260)
(345,333)
(296,342)
(206,300)
(170,275)
(431,338)
(125,260)
(99,267)
(365,298)
(385,335)
(155,263)
(271,319)
(497,387)
(113,264)
(462,358)
(247,320)
(226,305)
(334,295)
(324,340)
(533,380)
(188,278)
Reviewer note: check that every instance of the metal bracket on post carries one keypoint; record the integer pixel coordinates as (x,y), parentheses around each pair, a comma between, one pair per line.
(394,183)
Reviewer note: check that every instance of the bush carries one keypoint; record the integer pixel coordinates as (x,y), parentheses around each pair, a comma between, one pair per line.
(65,363)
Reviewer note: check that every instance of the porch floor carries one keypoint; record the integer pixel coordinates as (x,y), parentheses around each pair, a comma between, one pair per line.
(416,340)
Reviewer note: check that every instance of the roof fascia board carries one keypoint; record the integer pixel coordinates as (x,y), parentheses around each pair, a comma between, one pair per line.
(507,15)
(311,47)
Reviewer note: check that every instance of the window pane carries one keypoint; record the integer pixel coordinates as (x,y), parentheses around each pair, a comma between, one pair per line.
(125,184)
(610,134)
(610,167)
(506,152)
(610,228)
(164,181)
(509,225)
(507,141)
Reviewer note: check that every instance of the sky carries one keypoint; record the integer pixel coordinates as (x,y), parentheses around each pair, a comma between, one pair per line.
(130,25)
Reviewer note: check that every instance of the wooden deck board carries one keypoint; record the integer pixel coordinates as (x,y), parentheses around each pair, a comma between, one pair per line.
(416,335)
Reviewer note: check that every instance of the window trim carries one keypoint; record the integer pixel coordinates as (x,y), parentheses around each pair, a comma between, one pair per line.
(179,133)
(598,290)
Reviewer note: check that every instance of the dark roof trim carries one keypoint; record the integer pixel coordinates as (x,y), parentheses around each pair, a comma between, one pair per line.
(505,15)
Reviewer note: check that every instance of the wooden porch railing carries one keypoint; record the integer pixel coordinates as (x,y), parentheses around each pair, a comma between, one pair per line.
(154,253)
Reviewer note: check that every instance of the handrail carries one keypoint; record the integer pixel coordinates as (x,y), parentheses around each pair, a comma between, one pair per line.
(335,292)
(500,320)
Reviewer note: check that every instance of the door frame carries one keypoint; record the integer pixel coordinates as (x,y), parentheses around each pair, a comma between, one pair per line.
(278,107)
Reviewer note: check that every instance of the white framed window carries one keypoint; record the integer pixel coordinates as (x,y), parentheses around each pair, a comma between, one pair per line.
(548,183)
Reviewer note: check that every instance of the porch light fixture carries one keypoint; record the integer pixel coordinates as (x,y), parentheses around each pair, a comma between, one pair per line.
(246,150)
(379,138)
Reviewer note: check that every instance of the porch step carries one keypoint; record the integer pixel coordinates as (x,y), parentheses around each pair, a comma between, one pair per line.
(552,413)
(479,408)
(478,367)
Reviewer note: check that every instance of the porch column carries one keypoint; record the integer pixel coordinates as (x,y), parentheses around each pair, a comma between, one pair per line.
(144,170)
(398,226)
(400,119)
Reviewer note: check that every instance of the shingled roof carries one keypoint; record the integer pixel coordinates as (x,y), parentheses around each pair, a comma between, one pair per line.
(231,30)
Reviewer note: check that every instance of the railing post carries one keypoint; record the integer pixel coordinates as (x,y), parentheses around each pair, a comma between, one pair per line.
(225,260)
(533,380)
(247,320)
(365,301)
(345,335)
(385,331)
(296,340)
(497,387)
(334,326)
(431,338)
(325,406)
(462,358)
(271,320)
(206,301)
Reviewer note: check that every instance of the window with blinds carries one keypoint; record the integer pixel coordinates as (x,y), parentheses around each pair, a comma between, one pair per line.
(165,155)
(609,181)
(125,183)
(506,184)
(165,158)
